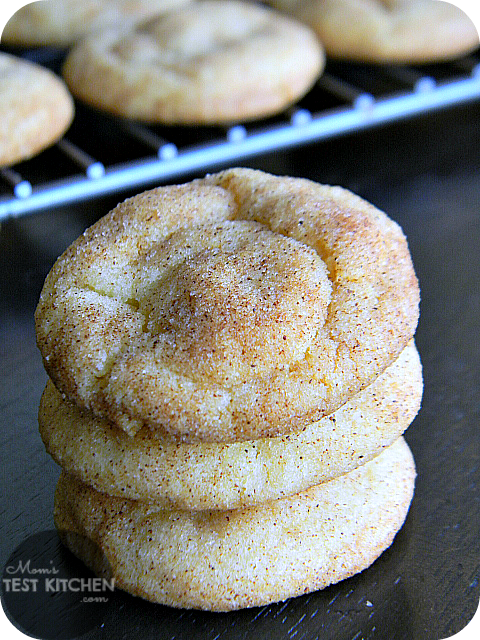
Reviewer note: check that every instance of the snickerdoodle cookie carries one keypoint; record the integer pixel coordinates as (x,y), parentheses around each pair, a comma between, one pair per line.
(225,560)
(62,22)
(35,109)
(393,31)
(235,307)
(210,62)
(227,476)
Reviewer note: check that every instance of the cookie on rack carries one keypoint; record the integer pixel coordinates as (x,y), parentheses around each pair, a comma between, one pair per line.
(60,23)
(387,31)
(239,306)
(211,62)
(199,476)
(226,560)
(36,109)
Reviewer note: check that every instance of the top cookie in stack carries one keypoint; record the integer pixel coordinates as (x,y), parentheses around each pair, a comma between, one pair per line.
(235,307)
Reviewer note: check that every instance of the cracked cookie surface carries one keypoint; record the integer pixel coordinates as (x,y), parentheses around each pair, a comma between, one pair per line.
(239,306)
(211,62)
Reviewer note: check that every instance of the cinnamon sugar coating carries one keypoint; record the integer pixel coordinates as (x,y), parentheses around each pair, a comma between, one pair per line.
(235,307)
(226,560)
(199,475)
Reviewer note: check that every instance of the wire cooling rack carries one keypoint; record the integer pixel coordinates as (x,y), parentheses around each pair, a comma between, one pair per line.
(101,154)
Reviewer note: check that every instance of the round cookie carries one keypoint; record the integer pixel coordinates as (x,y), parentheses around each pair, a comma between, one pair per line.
(62,22)
(35,109)
(211,62)
(226,560)
(235,307)
(200,476)
(387,31)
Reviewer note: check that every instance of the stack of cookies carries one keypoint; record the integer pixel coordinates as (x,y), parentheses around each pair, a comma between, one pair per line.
(232,368)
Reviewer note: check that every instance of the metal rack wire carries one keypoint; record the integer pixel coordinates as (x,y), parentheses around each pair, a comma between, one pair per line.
(101,155)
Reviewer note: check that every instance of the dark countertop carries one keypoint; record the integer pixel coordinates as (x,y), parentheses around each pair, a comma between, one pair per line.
(425,174)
